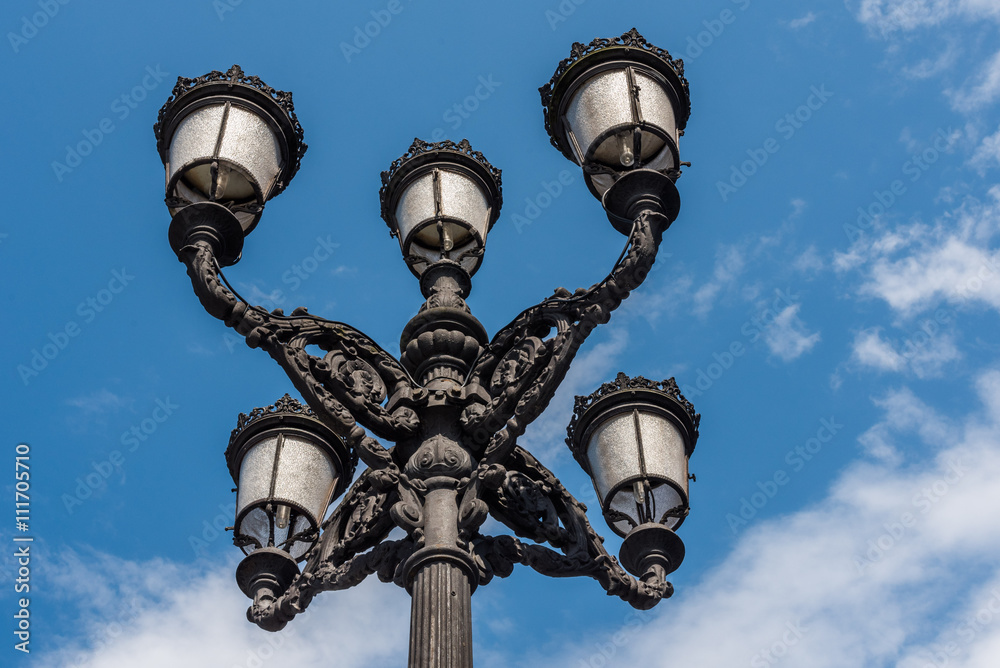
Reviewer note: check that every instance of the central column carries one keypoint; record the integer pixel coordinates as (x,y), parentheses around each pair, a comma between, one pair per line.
(441,611)
(439,345)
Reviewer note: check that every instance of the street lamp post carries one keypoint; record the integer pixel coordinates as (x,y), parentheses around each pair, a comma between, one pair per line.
(455,401)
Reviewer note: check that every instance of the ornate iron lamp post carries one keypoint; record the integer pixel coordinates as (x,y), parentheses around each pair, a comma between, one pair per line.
(455,401)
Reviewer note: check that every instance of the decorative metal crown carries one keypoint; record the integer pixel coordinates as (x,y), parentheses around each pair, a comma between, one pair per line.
(286,405)
(622,383)
(235,76)
(631,40)
(420,147)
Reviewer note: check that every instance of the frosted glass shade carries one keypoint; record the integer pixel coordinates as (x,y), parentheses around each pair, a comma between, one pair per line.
(443,214)
(228,138)
(640,469)
(441,199)
(288,467)
(618,105)
(621,119)
(227,154)
(286,481)
(634,437)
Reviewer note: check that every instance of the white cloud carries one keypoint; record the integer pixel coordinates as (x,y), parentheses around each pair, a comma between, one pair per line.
(923,352)
(883,571)
(802,21)
(871,350)
(167,615)
(787,337)
(915,266)
(729,264)
(888,16)
(658,298)
(99,402)
(982,89)
(987,154)
(809,262)
(929,67)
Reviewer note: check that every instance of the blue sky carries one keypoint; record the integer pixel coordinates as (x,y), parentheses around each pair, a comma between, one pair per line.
(828,299)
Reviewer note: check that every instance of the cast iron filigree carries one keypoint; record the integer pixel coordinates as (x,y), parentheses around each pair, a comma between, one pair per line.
(509,384)
(455,429)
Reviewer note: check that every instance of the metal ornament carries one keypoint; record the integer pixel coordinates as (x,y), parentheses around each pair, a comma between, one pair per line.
(453,404)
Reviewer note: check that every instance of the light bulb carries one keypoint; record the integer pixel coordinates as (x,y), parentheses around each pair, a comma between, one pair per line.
(626,156)
(446,242)
(281,516)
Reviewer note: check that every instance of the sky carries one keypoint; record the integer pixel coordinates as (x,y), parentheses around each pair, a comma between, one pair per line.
(828,298)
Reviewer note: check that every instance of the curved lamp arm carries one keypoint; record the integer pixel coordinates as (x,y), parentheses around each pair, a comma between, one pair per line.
(534,504)
(523,369)
(344,388)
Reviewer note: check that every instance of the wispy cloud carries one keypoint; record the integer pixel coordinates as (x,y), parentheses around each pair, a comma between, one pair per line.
(802,21)
(982,89)
(99,402)
(871,350)
(729,264)
(787,337)
(918,265)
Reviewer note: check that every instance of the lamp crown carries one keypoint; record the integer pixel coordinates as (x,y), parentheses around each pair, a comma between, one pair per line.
(287,409)
(286,405)
(623,386)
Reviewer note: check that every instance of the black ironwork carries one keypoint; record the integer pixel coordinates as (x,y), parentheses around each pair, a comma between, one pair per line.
(454,404)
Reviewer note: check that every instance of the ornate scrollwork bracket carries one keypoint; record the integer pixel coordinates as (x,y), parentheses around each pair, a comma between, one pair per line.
(534,505)
(346,388)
